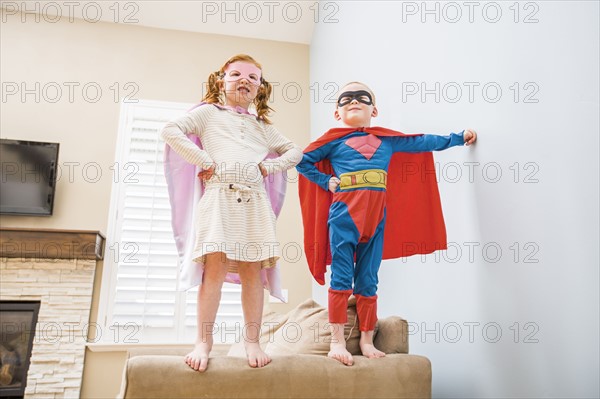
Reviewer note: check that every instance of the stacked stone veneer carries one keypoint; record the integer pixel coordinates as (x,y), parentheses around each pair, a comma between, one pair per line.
(64,287)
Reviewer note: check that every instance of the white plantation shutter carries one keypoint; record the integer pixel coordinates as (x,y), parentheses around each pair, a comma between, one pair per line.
(145,305)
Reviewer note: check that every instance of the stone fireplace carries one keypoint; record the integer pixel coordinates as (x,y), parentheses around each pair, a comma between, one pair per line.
(18,320)
(56,268)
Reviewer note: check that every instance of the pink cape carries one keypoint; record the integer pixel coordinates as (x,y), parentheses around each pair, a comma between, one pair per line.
(185,190)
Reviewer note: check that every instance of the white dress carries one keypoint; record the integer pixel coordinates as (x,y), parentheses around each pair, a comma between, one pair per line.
(234,216)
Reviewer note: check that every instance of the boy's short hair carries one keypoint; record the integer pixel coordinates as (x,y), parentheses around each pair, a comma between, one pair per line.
(362,84)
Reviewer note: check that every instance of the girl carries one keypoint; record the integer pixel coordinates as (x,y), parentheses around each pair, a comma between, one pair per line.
(234,220)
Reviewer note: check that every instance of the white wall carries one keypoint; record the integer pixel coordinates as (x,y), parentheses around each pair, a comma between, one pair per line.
(551,210)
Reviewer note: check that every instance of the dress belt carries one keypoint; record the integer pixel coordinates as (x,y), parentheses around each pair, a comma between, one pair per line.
(244,191)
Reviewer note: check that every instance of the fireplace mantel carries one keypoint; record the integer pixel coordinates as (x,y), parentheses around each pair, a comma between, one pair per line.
(51,243)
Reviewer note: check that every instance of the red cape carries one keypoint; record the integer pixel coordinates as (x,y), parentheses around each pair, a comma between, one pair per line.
(415,223)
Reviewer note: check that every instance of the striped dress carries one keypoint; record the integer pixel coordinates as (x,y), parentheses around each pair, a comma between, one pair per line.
(234,216)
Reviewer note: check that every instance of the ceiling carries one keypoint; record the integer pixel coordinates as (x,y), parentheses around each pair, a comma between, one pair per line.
(288,21)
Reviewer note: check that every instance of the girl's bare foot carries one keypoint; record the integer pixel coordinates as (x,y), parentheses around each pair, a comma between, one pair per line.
(197,359)
(339,352)
(366,345)
(256,356)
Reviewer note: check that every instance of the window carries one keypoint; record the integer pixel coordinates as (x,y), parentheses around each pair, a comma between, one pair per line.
(142,303)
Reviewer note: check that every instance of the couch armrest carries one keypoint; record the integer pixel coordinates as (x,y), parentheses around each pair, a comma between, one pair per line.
(299,376)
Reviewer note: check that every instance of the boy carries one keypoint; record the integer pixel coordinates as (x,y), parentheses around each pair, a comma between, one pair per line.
(374,174)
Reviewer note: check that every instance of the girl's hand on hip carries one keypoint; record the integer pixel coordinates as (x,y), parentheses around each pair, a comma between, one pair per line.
(263,170)
(206,174)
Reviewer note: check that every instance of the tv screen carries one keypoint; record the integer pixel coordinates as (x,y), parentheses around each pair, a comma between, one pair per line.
(28,177)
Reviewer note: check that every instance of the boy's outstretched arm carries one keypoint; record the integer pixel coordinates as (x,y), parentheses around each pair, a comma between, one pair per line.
(432,142)
(308,169)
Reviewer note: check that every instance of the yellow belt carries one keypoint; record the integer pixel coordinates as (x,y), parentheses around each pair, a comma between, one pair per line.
(376,178)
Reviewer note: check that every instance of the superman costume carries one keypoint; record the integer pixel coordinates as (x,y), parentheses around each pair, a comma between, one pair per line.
(386,206)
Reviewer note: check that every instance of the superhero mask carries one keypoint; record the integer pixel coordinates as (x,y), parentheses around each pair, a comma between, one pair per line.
(238,70)
(362,96)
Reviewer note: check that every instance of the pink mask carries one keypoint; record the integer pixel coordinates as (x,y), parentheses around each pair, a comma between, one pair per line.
(239,69)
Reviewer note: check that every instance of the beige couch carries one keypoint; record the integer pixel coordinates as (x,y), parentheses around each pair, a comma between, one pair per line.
(300,367)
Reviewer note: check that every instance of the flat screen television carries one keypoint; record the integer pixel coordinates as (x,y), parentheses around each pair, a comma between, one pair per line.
(28,177)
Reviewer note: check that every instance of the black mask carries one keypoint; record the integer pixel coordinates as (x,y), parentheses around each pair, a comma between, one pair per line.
(362,96)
